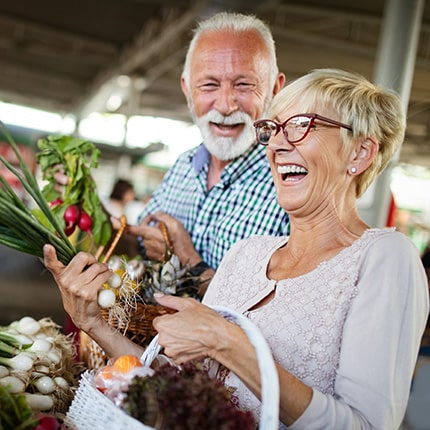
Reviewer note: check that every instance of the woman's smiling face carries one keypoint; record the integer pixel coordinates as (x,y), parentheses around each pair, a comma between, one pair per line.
(311,174)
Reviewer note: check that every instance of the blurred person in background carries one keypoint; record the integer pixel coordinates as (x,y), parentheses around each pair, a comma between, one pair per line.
(122,193)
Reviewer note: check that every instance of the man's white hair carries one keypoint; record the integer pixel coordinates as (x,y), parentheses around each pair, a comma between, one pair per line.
(236,23)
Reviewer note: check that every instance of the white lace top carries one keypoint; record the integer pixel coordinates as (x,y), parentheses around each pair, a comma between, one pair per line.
(350,328)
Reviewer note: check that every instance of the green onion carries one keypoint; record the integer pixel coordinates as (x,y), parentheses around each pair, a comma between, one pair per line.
(20,228)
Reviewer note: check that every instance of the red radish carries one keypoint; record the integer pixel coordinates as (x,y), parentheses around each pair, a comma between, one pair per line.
(70,229)
(47,422)
(85,222)
(55,202)
(71,215)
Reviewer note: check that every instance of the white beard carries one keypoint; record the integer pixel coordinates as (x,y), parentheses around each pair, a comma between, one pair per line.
(226,148)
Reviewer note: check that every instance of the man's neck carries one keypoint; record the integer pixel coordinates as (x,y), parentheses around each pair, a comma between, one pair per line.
(216,167)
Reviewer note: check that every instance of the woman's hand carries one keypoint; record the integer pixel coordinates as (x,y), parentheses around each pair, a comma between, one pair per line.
(194,331)
(79,283)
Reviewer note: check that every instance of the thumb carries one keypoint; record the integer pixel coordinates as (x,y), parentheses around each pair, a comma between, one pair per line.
(50,259)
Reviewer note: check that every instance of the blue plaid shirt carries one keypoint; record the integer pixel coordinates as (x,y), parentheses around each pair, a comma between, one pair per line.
(242,204)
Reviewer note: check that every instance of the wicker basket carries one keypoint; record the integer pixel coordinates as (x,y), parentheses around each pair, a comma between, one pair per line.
(139,330)
(91,410)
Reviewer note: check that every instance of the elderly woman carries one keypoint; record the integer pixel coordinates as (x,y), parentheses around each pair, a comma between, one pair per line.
(343,306)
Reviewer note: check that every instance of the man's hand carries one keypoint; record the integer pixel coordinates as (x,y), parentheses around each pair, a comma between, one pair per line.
(155,243)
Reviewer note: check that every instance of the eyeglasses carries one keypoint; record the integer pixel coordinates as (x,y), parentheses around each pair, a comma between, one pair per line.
(295,128)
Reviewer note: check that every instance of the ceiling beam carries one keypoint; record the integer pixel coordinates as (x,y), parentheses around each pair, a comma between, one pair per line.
(45,32)
(141,53)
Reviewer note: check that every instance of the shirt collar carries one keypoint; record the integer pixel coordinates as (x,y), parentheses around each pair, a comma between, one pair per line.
(200,158)
(245,163)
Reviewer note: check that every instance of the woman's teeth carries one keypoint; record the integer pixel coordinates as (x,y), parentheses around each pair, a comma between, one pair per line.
(290,171)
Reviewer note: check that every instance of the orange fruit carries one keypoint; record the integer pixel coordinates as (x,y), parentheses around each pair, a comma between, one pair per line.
(103,377)
(106,372)
(125,363)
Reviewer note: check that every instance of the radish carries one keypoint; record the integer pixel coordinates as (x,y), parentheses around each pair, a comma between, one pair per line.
(56,202)
(70,229)
(85,222)
(72,215)
(47,422)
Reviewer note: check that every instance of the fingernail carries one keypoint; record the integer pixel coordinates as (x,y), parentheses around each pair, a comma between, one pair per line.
(158,295)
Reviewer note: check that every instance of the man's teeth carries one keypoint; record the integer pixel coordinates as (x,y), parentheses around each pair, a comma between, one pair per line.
(291,169)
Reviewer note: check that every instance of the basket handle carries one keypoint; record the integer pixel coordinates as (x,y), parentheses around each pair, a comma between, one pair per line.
(269,418)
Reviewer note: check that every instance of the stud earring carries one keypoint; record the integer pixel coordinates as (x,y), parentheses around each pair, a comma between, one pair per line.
(353,170)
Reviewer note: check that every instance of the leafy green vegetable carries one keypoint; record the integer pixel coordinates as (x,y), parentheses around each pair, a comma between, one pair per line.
(75,157)
(20,229)
(185,398)
(15,414)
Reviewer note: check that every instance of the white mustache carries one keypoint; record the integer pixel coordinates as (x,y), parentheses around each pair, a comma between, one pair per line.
(233,119)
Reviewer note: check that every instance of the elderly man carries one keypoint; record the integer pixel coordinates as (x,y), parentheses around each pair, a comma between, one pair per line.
(221,191)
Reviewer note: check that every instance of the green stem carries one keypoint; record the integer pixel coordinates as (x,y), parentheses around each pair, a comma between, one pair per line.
(29,227)
(7,349)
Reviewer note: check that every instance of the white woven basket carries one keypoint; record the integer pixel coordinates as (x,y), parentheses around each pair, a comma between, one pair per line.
(91,410)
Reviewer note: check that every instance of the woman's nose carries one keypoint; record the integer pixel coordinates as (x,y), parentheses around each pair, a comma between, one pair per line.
(280,142)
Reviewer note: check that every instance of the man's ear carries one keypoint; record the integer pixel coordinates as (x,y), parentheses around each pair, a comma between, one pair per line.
(185,90)
(363,155)
(279,83)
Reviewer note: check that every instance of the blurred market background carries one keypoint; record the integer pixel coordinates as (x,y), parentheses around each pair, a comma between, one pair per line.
(109,70)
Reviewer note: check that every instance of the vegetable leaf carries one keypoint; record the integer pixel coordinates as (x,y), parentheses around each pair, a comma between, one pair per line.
(14,411)
(76,157)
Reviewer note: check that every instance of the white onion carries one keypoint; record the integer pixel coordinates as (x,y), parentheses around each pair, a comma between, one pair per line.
(62,383)
(22,361)
(4,371)
(15,384)
(114,281)
(39,402)
(135,269)
(106,298)
(40,345)
(115,263)
(28,326)
(53,356)
(44,384)
(22,339)
(40,370)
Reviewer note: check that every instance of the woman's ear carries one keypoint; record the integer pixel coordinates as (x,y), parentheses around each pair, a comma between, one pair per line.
(363,155)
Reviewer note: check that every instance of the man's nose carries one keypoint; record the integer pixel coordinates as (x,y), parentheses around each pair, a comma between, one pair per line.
(226,102)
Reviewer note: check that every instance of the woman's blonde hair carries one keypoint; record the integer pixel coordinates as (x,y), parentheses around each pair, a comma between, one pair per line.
(371,110)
